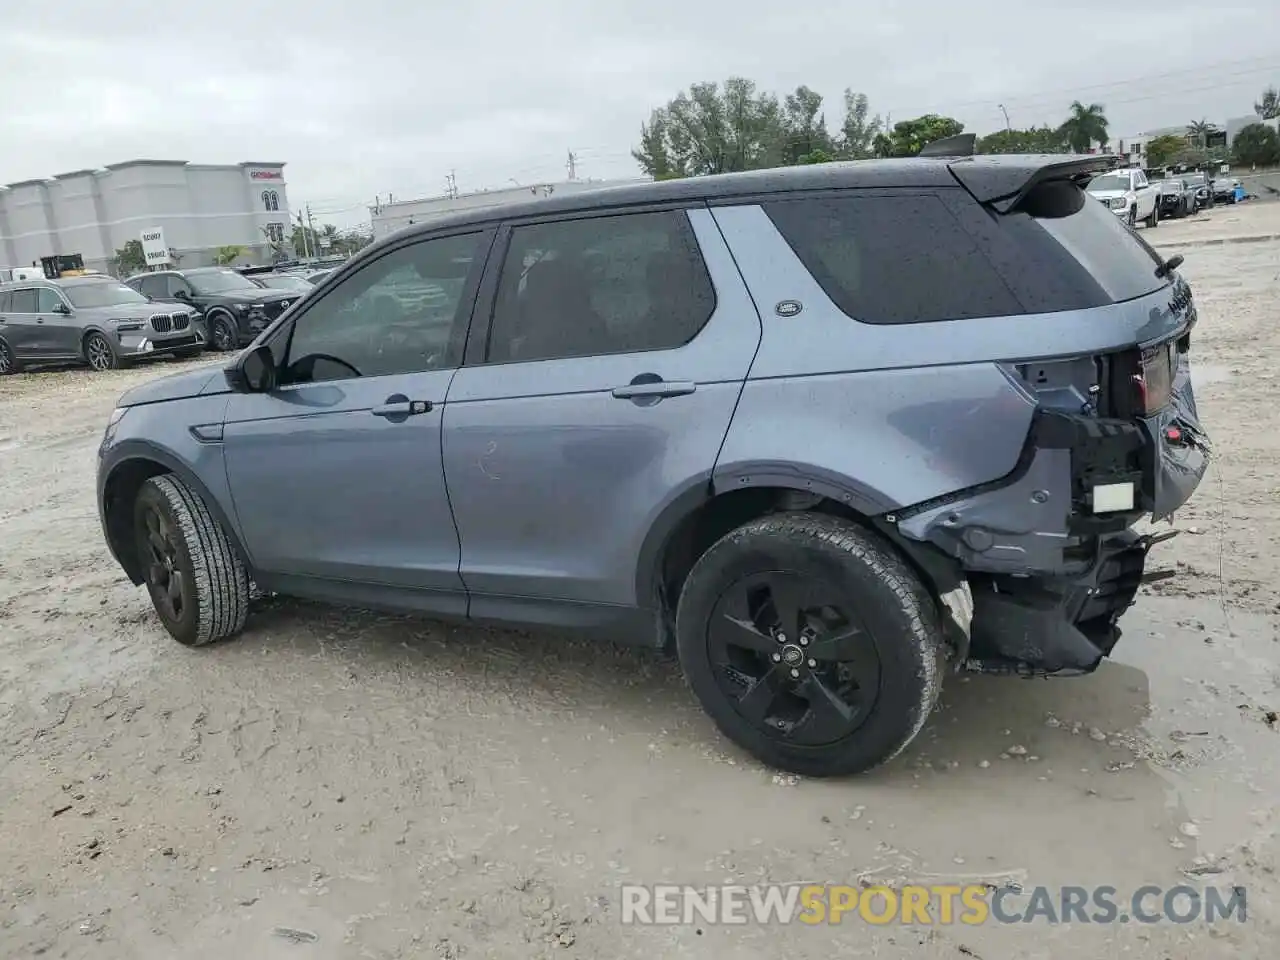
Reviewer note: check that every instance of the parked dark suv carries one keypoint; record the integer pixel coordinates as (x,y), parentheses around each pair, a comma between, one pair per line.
(234,308)
(92,319)
(829,431)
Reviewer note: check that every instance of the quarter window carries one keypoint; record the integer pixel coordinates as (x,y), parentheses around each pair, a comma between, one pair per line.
(396,315)
(619,284)
(893,259)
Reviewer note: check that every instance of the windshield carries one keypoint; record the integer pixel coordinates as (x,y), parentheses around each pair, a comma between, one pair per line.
(1172,184)
(282,282)
(1109,181)
(105,294)
(219,281)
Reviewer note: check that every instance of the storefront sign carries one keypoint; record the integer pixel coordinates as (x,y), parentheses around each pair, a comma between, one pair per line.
(266,175)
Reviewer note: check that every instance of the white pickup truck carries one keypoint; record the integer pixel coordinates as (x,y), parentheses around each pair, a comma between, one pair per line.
(1128,194)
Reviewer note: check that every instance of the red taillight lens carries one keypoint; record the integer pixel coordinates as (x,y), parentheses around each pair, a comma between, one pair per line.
(1154,379)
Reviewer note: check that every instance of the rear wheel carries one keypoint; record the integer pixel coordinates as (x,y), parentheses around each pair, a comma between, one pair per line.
(811,644)
(8,362)
(99,353)
(197,582)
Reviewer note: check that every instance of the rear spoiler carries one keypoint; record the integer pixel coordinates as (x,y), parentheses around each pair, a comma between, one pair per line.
(1000,182)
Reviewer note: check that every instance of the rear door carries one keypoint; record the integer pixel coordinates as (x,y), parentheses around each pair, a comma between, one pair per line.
(14,328)
(23,329)
(603,368)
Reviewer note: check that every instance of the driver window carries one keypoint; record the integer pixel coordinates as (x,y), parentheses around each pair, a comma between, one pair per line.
(176,287)
(395,315)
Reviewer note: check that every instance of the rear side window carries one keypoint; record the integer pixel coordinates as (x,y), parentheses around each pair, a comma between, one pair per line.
(893,259)
(22,301)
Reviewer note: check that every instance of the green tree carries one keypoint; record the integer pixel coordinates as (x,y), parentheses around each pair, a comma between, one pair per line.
(804,128)
(1085,126)
(1256,145)
(1034,140)
(709,130)
(1162,151)
(225,256)
(129,259)
(1199,130)
(1269,106)
(909,136)
(858,130)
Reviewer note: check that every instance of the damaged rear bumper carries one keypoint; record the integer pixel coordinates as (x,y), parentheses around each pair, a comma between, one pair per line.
(1050,566)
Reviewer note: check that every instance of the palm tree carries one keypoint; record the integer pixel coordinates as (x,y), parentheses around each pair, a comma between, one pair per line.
(1085,127)
(1269,107)
(1199,130)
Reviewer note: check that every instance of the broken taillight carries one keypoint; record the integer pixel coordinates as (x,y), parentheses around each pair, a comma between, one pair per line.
(1153,380)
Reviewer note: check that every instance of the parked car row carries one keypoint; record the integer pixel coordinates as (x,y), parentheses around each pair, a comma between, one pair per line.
(1134,196)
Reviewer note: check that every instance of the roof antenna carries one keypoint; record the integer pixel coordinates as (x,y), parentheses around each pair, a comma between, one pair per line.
(961,145)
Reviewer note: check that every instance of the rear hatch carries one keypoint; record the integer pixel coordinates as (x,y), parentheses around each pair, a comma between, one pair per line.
(1058,250)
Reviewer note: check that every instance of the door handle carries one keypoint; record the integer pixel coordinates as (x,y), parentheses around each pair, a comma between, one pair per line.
(655,390)
(397,409)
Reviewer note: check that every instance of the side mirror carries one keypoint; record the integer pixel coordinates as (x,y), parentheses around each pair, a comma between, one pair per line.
(62,308)
(254,371)
(181,295)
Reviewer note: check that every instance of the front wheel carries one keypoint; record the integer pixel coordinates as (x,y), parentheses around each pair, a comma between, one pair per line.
(811,644)
(1133,218)
(1153,218)
(222,333)
(99,353)
(198,583)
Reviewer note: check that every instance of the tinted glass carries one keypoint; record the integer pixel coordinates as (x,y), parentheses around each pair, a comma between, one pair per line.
(23,301)
(103,294)
(219,281)
(602,285)
(153,287)
(4,301)
(1119,260)
(395,315)
(174,285)
(47,301)
(893,259)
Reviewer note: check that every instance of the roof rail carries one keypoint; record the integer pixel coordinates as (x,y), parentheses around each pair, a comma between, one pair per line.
(961,145)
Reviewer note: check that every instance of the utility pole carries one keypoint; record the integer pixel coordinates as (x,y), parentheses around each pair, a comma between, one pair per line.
(572,166)
(303,227)
(311,230)
(1007,127)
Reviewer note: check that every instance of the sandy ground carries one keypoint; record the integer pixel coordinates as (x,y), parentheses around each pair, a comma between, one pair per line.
(347,785)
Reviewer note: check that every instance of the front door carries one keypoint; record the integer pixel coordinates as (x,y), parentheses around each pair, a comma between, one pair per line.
(59,323)
(336,474)
(613,358)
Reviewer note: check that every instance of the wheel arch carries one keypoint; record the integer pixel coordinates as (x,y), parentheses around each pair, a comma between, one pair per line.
(134,463)
(704,511)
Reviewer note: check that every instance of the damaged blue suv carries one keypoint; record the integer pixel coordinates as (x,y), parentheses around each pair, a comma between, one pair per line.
(829,432)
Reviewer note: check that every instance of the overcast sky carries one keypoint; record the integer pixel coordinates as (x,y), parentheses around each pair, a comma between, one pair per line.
(369,97)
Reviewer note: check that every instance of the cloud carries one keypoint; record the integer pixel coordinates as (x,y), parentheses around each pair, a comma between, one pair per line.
(384,96)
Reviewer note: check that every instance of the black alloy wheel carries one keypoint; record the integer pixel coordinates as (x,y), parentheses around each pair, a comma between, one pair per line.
(7,362)
(792,658)
(221,334)
(167,569)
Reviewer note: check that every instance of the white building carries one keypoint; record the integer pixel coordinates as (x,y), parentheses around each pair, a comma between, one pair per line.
(200,207)
(390,217)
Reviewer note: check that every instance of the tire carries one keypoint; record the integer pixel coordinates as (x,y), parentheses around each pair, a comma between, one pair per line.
(885,663)
(9,362)
(1153,219)
(100,354)
(176,534)
(1133,218)
(222,331)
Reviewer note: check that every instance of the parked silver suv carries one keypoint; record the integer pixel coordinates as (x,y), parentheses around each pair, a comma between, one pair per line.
(829,431)
(92,319)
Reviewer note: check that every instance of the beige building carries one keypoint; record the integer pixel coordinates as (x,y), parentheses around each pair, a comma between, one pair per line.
(200,207)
